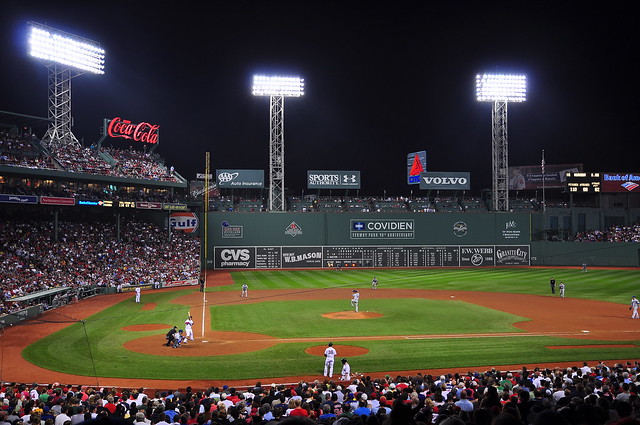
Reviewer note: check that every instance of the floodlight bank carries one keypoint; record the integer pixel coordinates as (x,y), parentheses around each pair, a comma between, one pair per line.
(499,87)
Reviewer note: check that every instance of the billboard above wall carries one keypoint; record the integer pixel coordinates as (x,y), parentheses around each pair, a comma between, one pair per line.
(529,177)
(620,182)
(333,179)
(445,180)
(416,164)
(240,179)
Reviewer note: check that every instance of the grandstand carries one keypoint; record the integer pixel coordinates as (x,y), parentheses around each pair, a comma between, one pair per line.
(83,222)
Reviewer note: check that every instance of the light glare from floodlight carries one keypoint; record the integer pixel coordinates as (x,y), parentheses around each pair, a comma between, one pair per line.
(56,46)
(501,88)
(278,86)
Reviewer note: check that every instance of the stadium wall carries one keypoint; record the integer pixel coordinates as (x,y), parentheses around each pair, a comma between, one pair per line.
(308,236)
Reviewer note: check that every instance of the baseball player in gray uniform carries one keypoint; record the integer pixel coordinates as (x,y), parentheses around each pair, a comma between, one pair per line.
(355,299)
(329,354)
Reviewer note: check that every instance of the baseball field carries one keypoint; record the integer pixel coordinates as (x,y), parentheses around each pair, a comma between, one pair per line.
(416,320)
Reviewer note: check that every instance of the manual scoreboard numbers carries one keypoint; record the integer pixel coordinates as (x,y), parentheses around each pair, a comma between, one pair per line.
(583,182)
(291,257)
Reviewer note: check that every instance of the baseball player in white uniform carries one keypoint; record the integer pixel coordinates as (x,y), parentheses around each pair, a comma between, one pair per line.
(346,370)
(329,354)
(355,299)
(188,328)
(374,283)
(634,306)
(245,291)
(561,287)
(138,294)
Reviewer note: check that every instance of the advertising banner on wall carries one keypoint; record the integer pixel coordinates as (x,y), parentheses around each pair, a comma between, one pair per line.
(333,179)
(529,177)
(620,182)
(242,179)
(285,257)
(445,180)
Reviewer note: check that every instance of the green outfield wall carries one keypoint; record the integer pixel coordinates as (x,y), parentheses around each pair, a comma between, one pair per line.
(309,240)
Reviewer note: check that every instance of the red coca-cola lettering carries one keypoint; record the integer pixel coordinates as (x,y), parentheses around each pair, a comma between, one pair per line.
(143,132)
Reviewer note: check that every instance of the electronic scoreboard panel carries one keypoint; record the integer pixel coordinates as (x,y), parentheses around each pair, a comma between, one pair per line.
(583,182)
(288,257)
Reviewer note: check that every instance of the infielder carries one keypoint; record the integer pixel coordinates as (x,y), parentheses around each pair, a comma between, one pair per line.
(329,354)
(346,370)
(188,328)
(245,291)
(634,306)
(137,294)
(374,283)
(561,287)
(355,299)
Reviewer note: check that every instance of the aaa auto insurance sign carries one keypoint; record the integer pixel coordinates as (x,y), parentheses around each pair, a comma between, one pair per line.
(185,221)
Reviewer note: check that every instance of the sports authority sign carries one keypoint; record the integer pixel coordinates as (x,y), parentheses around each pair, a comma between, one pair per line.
(333,179)
(142,132)
(445,180)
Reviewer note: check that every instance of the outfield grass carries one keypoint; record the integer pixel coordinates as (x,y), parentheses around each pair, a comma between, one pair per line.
(94,348)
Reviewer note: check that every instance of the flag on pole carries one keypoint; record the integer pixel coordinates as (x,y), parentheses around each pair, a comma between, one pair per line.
(542,163)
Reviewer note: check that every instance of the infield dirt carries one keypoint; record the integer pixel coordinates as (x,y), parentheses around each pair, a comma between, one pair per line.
(553,316)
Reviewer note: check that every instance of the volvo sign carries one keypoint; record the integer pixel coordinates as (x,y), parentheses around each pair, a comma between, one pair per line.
(445,180)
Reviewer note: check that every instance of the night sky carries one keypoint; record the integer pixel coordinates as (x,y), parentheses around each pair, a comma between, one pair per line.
(381,81)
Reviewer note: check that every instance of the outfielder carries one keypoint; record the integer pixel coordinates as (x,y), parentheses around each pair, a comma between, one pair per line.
(355,299)
(329,354)
(137,294)
(188,328)
(245,291)
(374,283)
(634,306)
(346,370)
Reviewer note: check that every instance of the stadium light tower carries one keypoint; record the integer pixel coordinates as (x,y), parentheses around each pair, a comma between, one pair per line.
(500,90)
(277,88)
(65,56)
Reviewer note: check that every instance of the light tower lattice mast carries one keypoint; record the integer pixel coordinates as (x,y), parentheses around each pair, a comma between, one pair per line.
(277,88)
(500,90)
(66,56)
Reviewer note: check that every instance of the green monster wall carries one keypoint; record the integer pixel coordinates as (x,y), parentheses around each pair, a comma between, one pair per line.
(289,240)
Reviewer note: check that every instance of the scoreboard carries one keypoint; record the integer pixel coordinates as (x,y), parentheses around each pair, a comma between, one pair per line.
(287,257)
(583,182)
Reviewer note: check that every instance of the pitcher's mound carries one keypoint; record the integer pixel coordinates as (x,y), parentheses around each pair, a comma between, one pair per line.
(347,315)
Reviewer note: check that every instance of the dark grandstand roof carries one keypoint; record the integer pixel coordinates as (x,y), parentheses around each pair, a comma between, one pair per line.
(11,119)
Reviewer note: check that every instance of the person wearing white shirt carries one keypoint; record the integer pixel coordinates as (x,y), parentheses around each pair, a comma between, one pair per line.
(329,354)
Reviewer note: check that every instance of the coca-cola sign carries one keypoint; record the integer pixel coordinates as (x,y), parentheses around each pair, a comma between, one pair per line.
(142,132)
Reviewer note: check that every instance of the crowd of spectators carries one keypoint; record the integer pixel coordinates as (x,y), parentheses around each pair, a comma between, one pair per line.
(587,395)
(24,151)
(87,254)
(612,234)
(20,152)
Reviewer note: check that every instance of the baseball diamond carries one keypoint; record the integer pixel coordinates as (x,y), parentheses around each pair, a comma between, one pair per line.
(244,339)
